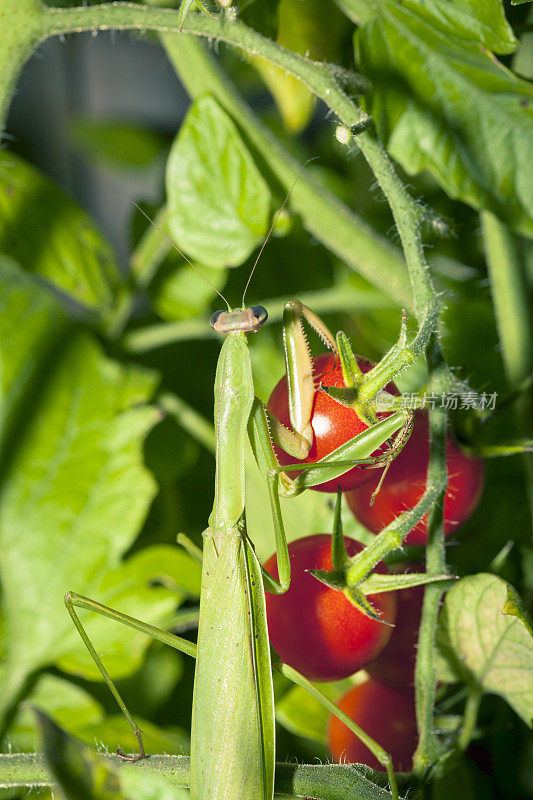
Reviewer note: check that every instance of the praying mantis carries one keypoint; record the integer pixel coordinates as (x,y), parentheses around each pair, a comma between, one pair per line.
(232,736)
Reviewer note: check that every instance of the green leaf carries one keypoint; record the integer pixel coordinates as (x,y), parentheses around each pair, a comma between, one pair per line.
(466,19)
(482,644)
(82,716)
(74,495)
(49,235)
(117,144)
(218,202)
(470,20)
(69,705)
(80,773)
(443,103)
(29,344)
(130,589)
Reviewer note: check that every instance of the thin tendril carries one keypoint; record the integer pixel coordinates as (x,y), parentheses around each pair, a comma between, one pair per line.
(267,237)
(182,254)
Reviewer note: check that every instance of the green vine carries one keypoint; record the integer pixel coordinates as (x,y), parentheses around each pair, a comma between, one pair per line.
(323,781)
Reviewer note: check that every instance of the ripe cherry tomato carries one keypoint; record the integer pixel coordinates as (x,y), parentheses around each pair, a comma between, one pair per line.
(405,484)
(395,665)
(333,424)
(316,629)
(387,715)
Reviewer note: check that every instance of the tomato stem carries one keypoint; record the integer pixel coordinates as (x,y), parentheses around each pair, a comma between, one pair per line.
(391,538)
(469,718)
(339,556)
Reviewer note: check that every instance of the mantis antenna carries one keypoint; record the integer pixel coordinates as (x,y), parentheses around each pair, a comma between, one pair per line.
(182,254)
(267,237)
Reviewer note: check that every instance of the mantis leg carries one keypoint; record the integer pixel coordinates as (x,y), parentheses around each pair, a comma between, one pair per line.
(72,601)
(264,429)
(380,754)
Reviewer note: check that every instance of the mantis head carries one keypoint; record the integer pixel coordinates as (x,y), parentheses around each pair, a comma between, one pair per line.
(239,320)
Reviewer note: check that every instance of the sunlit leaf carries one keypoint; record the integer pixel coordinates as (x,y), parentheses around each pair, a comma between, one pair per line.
(138,785)
(69,705)
(82,716)
(50,236)
(74,495)
(482,644)
(33,324)
(443,103)
(218,201)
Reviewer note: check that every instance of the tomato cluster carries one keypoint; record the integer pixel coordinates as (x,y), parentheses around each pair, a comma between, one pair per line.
(405,483)
(315,628)
(334,424)
(318,631)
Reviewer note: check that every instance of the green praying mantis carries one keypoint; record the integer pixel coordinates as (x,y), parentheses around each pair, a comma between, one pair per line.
(233,720)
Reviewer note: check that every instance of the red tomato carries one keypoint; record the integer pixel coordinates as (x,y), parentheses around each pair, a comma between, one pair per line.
(405,484)
(387,715)
(333,424)
(395,665)
(315,629)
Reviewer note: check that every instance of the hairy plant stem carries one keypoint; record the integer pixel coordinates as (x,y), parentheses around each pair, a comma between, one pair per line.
(319,77)
(26,771)
(408,217)
(509,296)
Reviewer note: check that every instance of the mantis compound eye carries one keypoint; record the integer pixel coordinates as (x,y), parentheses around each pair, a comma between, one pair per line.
(261,315)
(214,319)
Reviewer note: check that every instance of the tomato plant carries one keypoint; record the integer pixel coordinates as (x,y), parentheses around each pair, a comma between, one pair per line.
(405,483)
(315,628)
(104,333)
(386,714)
(333,424)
